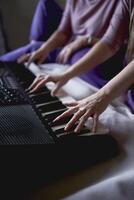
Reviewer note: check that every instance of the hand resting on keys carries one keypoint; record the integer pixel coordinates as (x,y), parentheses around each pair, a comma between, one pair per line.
(91,106)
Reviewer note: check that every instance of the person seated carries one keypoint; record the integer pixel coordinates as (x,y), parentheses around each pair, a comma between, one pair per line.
(87,60)
(95,104)
(84,26)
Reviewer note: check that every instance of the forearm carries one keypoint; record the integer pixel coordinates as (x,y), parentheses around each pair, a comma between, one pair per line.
(120,83)
(57,39)
(98,54)
(79,43)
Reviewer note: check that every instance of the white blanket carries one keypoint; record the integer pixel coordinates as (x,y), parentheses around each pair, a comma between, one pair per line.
(113,179)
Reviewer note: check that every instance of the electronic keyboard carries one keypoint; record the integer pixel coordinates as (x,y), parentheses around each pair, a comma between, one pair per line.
(26,120)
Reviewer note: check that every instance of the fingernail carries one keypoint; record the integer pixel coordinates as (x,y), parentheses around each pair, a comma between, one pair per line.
(27,89)
(66,128)
(76,130)
(31,91)
(55,120)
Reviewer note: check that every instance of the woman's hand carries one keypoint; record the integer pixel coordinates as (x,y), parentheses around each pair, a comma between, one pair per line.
(41,80)
(72,47)
(39,55)
(91,106)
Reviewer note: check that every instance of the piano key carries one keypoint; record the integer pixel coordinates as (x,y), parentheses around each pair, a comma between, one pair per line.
(43,98)
(62,132)
(59,127)
(53,112)
(51,106)
(46,103)
(64,120)
(52,115)
(42,90)
(45,92)
(25,84)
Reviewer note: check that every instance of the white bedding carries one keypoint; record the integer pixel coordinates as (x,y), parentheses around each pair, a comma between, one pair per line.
(113,179)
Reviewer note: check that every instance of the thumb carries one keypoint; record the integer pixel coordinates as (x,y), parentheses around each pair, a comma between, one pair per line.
(58,85)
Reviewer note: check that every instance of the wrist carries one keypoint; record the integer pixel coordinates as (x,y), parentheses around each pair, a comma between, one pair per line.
(92,40)
(81,41)
(84,41)
(45,47)
(68,74)
(106,94)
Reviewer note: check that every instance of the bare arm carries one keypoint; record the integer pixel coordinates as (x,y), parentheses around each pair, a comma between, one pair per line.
(108,45)
(99,53)
(95,104)
(120,83)
(57,39)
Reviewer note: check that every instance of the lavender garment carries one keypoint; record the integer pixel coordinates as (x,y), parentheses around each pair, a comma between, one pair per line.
(99,18)
(46,19)
(118,29)
(17,53)
(107,20)
(83,19)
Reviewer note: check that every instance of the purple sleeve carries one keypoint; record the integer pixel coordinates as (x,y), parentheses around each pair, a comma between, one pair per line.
(118,29)
(65,24)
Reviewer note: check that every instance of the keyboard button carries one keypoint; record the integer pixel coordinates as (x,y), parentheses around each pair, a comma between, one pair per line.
(9,96)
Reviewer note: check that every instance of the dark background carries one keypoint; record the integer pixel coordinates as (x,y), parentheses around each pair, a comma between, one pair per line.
(16,17)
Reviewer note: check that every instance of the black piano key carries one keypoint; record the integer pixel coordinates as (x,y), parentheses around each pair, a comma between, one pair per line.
(24,76)
(52,115)
(64,120)
(24,83)
(59,128)
(51,106)
(32,95)
(44,89)
(61,132)
(84,132)
(43,98)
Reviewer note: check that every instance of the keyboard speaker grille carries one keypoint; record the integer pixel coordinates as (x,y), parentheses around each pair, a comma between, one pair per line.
(20,125)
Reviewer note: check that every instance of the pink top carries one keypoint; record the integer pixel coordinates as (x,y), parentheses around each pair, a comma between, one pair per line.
(105,19)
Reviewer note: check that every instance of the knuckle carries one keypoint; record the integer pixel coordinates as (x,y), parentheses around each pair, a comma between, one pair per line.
(84,117)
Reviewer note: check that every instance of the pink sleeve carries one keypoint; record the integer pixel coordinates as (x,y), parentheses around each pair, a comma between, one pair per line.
(65,24)
(118,29)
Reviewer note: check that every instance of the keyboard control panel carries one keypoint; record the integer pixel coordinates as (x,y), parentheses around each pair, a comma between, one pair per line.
(10,96)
